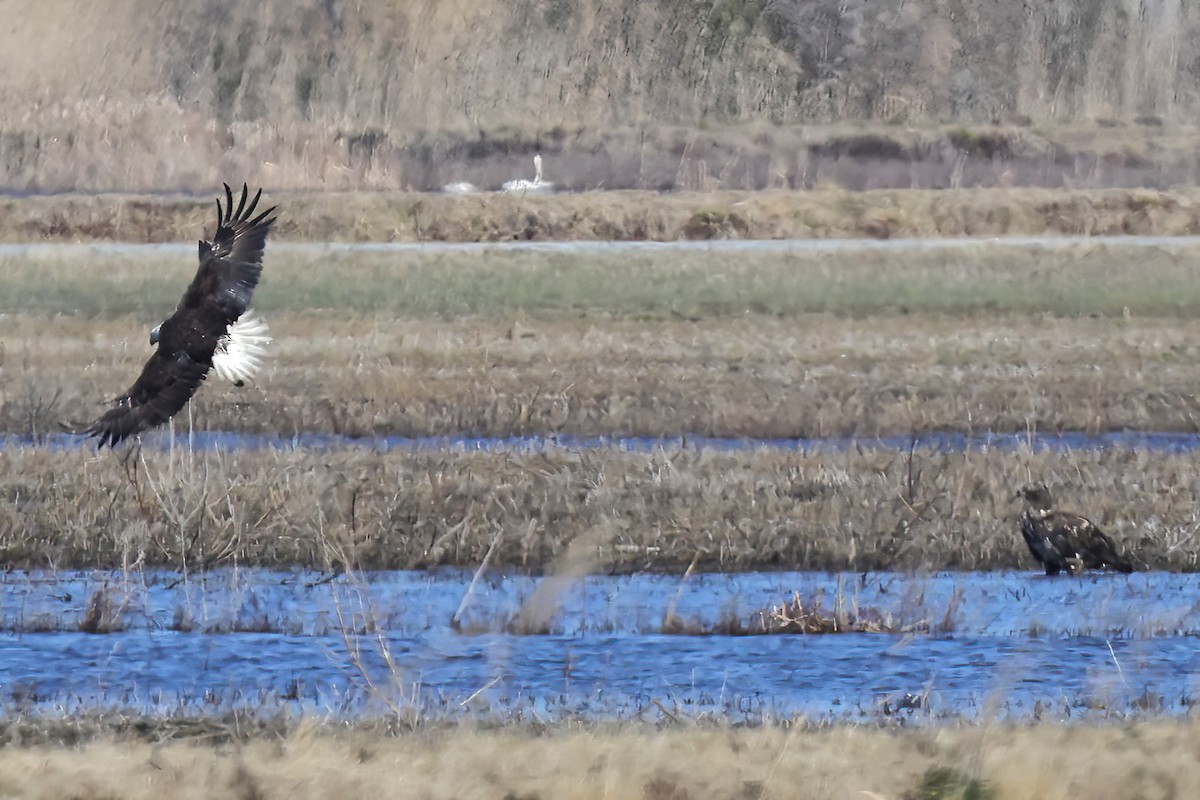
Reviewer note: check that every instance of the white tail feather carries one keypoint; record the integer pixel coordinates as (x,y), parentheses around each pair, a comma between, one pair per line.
(240,352)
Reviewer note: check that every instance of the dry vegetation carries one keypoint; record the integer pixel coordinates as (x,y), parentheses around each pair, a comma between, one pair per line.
(816,615)
(678,94)
(620,216)
(662,510)
(967,338)
(995,762)
(1090,337)
(316,96)
(808,377)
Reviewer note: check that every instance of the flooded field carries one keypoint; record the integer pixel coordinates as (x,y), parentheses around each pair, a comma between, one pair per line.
(562,411)
(980,646)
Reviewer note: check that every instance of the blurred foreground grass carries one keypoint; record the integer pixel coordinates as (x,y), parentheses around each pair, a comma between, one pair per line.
(996,762)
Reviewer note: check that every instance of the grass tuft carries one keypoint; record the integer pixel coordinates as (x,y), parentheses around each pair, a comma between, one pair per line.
(945,783)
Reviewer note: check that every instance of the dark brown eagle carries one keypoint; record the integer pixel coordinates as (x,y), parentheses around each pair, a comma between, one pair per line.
(212,326)
(1061,540)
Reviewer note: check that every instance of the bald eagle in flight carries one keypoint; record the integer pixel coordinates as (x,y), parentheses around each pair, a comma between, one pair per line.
(1061,540)
(212,327)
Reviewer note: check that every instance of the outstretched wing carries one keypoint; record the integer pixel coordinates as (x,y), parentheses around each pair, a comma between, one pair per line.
(165,386)
(230,265)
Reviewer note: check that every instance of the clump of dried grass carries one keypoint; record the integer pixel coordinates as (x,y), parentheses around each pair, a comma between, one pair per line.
(798,616)
(794,616)
(103,613)
(811,616)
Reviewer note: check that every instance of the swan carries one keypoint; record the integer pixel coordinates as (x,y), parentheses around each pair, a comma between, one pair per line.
(461,187)
(535,185)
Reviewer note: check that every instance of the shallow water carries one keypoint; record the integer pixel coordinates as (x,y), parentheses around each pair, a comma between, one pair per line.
(1005,645)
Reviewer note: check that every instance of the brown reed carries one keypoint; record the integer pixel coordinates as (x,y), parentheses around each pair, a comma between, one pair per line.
(661,510)
(826,212)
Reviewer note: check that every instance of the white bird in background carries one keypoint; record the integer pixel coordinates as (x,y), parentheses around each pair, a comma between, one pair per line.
(462,187)
(535,185)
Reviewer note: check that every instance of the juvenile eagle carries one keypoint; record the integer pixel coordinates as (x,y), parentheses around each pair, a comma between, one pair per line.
(212,326)
(1061,540)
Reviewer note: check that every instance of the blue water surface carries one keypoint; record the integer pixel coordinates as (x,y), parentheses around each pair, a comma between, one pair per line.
(968,646)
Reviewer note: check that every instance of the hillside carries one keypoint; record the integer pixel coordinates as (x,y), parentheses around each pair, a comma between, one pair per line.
(129,95)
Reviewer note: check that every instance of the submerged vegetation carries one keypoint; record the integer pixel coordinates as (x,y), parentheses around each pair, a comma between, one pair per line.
(811,616)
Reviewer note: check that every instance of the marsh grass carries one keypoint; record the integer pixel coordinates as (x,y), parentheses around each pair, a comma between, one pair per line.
(825,212)
(1085,337)
(798,616)
(993,761)
(621,511)
(1089,336)
(499,342)
(1106,278)
(812,617)
(420,94)
(817,615)
(604,349)
(807,375)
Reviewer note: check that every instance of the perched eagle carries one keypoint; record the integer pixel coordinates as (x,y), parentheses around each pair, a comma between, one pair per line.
(1061,540)
(212,327)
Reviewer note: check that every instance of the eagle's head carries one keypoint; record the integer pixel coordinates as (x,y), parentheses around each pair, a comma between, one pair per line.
(1037,496)
(154,334)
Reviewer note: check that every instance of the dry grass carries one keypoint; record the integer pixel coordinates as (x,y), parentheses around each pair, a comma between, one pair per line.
(699,94)
(696,283)
(811,616)
(1087,337)
(809,375)
(1048,762)
(621,511)
(826,212)
(697,343)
